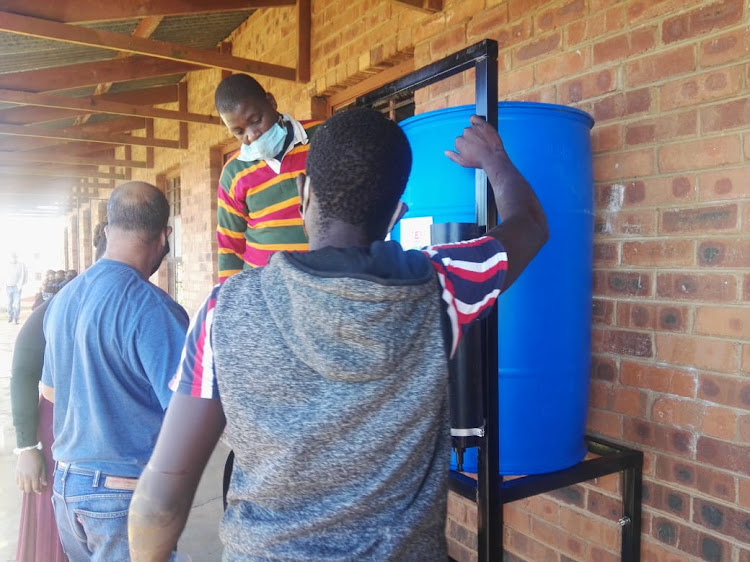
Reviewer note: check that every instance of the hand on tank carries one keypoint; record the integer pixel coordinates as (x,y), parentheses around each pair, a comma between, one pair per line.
(31,475)
(479,146)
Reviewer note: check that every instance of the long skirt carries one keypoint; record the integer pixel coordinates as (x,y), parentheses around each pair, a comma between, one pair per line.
(38,540)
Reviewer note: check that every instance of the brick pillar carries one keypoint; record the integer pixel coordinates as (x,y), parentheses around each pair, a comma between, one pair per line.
(86,229)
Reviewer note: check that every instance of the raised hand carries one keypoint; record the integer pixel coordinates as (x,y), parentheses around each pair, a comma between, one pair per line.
(478,146)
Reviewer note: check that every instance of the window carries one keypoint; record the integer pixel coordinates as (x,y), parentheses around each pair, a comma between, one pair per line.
(173,192)
(396,108)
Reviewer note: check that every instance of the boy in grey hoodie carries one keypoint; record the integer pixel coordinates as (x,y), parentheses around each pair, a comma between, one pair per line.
(327,371)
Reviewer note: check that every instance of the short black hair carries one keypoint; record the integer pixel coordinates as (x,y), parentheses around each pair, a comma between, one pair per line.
(359,162)
(138,207)
(235,89)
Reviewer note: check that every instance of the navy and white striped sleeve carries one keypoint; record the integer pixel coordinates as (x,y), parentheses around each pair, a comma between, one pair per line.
(471,275)
(196,375)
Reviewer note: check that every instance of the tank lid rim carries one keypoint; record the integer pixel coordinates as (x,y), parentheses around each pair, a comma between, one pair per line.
(522,105)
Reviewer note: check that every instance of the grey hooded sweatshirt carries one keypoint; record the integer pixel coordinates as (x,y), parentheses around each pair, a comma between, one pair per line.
(332,372)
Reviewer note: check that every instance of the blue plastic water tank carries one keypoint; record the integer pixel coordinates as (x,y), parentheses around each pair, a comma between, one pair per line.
(545,317)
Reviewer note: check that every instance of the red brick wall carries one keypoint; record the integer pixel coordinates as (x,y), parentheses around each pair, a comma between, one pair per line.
(667,81)
(668,85)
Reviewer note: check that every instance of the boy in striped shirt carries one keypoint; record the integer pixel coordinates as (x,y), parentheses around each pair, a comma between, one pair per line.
(328,369)
(258,205)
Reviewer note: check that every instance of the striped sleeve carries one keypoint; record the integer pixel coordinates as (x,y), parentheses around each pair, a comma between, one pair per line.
(471,275)
(196,376)
(231,227)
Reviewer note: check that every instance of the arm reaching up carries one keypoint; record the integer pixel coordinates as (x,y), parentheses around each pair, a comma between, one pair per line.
(523,230)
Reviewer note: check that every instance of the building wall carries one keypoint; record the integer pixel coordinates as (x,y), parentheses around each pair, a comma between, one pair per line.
(667,81)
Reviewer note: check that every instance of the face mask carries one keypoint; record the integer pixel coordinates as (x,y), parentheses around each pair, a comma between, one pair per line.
(266,146)
(164,254)
(305,198)
(401,206)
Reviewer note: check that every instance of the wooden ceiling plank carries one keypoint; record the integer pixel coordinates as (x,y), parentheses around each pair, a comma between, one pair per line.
(77,134)
(59,172)
(85,11)
(119,125)
(183,106)
(427,6)
(92,73)
(102,128)
(92,105)
(28,115)
(144,28)
(146,96)
(43,29)
(80,148)
(369,84)
(55,158)
(304,25)
(22,145)
(128,150)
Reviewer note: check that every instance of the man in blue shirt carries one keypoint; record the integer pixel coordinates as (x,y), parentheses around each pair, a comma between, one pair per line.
(113,341)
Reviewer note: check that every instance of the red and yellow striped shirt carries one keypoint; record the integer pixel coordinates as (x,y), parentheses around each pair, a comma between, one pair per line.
(258,209)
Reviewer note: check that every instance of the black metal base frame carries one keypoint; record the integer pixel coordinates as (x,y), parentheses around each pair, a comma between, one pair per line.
(489,490)
(613,458)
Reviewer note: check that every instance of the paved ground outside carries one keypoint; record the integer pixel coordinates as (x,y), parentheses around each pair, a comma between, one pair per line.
(200,540)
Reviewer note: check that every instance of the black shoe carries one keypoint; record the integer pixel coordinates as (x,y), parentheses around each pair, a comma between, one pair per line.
(16,320)
(10,320)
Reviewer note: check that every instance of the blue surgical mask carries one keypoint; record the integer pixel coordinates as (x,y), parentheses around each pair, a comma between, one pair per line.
(266,146)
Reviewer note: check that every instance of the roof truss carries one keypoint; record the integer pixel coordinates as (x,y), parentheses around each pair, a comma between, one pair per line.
(47,132)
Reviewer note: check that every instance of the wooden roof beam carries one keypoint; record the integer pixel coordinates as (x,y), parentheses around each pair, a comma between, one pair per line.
(43,29)
(92,105)
(429,6)
(56,158)
(59,172)
(304,25)
(80,11)
(74,133)
(102,128)
(76,148)
(92,73)
(28,115)
(144,28)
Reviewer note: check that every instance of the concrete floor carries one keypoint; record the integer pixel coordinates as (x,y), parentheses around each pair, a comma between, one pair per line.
(200,540)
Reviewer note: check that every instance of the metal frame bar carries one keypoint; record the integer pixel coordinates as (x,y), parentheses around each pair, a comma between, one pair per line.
(490,492)
(482,57)
(435,72)
(613,458)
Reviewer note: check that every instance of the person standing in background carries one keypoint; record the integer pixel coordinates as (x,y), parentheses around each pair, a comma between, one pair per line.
(15,279)
(38,539)
(113,341)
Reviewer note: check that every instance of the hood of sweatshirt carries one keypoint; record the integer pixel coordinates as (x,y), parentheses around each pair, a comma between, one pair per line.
(350,314)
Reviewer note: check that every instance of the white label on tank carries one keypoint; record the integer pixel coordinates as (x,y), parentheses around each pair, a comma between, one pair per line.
(415,232)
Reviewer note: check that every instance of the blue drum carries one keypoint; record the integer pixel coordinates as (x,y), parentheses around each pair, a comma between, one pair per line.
(545,317)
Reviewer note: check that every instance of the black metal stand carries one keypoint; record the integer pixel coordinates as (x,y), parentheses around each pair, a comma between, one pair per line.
(613,458)
(482,57)
(489,490)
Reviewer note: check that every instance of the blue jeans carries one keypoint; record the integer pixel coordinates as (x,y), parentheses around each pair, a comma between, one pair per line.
(92,519)
(14,302)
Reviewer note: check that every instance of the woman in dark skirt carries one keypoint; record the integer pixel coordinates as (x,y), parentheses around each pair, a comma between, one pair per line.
(38,540)
(32,416)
